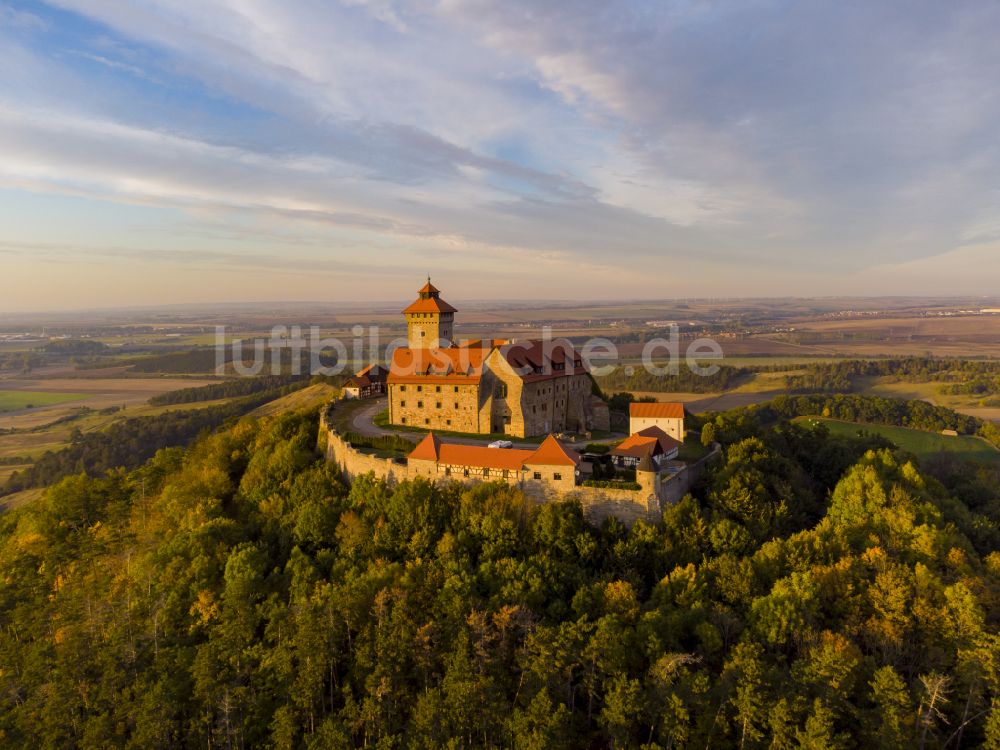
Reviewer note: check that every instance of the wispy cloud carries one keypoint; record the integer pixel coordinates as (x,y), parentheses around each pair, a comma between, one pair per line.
(721,141)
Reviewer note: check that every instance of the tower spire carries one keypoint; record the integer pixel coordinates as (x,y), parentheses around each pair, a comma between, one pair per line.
(429,319)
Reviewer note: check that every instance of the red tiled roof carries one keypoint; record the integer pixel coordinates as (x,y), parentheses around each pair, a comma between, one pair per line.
(650,441)
(549,453)
(428,288)
(360,381)
(656,410)
(543,360)
(478,456)
(374,370)
(445,365)
(427,449)
(552,453)
(430,305)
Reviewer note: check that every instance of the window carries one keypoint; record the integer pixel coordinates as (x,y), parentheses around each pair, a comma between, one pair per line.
(505,473)
(538,475)
(557,476)
(427,421)
(447,422)
(402,403)
(402,388)
(420,404)
(486,472)
(465,472)
(456,389)
(402,420)
(437,388)
(437,405)
(447,471)
(419,388)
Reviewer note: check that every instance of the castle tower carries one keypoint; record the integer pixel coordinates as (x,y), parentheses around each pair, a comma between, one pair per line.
(429,320)
(649,482)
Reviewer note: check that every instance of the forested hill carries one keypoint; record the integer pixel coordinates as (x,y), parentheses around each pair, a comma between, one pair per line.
(815,592)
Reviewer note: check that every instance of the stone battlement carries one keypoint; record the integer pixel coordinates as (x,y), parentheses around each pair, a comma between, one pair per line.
(647,503)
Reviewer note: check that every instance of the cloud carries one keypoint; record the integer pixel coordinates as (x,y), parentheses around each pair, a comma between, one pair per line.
(971,269)
(842,112)
(707,138)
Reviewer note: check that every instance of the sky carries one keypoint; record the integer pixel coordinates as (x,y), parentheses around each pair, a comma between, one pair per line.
(172,151)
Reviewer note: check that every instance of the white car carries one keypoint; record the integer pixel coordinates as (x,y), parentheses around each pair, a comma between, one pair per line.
(501,444)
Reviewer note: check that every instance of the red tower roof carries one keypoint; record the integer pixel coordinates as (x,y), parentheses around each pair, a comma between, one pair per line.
(429,301)
(552,453)
(430,304)
(428,448)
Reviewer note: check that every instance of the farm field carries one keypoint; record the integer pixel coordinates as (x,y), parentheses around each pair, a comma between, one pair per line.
(28,435)
(697,403)
(761,387)
(54,432)
(918,442)
(14,400)
(69,394)
(87,405)
(930,392)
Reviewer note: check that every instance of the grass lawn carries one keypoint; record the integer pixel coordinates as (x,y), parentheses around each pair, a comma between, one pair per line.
(692,450)
(14,400)
(918,442)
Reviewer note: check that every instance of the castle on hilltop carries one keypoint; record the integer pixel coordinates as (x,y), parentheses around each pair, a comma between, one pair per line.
(521,389)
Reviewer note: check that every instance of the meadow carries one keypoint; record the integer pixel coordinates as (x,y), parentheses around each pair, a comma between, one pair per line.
(920,443)
(15,400)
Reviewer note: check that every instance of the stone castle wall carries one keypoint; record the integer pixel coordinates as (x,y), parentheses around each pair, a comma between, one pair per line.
(436,406)
(428,329)
(599,503)
(354,463)
(501,402)
(538,407)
